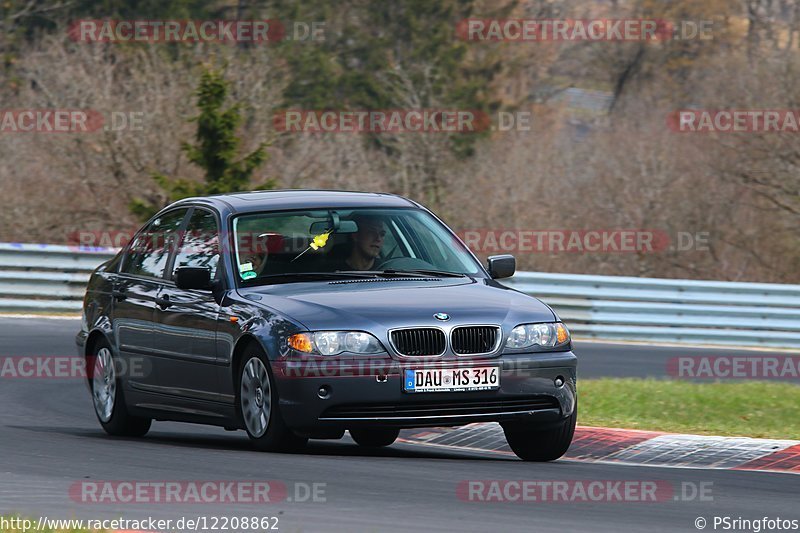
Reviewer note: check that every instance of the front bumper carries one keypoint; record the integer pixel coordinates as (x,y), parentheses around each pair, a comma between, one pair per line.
(355,397)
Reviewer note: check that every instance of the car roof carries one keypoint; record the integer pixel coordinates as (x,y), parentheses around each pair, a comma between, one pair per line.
(286,199)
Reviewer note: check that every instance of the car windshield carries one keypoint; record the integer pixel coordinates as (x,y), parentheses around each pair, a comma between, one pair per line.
(281,247)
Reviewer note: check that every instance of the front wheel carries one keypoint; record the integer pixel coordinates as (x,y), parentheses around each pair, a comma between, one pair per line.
(541,445)
(108,399)
(374,437)
(258,405)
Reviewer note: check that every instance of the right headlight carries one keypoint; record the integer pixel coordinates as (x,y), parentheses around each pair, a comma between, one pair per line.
(545,335)
(335,343)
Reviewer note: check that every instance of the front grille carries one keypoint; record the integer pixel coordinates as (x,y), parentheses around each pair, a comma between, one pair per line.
(434,409)
(419,342)
(471,340)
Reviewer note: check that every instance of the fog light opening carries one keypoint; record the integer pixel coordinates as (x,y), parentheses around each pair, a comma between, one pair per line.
(559,382)
(324,392)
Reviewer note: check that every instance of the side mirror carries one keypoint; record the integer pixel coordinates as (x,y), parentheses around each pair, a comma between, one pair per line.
(193,278)
(502,266)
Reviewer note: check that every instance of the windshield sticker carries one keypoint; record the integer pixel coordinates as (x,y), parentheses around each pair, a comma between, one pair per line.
(244,267)
(248,275)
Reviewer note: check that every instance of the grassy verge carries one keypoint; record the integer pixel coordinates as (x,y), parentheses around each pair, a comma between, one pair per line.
(744,408)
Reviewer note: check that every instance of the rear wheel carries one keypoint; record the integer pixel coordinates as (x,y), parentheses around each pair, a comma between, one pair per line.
(374,437)
(259,407)
(108,398)
(531,444)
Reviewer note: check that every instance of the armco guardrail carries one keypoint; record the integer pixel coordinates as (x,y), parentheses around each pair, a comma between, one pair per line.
(48,278)
(45,278)
(667,310)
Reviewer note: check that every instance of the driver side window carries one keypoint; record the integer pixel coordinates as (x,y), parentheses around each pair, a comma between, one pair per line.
(200,245)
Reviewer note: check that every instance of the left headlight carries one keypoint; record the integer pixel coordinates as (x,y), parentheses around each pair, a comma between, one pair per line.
(335,342)
(546,335)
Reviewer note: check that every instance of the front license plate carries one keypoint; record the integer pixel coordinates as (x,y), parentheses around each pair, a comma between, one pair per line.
(452,379)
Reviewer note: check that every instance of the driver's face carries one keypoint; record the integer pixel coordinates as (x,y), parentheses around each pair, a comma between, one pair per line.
(369,238)
(256,260)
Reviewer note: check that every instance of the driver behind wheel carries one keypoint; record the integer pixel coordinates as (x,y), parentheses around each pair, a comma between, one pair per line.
(365,244)
(254,252)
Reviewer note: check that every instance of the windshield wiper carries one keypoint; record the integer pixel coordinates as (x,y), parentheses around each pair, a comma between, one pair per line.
(412,272)
(293,276)
(427,272)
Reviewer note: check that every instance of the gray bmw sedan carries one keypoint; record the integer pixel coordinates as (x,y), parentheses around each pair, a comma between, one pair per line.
(302,314)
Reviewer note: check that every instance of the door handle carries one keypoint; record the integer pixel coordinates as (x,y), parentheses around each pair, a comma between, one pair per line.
(164,303)
(118,294)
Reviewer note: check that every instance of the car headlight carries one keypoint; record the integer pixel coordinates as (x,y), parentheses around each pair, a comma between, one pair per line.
(335,342)
(549,335)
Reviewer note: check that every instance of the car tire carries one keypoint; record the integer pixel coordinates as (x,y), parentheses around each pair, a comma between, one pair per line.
(541,445)
(374,437)
(108,397)
(259,407)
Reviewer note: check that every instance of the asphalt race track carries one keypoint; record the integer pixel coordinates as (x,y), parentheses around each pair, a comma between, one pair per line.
(50,440)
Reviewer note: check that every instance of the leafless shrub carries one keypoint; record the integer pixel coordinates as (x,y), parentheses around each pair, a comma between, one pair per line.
(624,171)
(63,182)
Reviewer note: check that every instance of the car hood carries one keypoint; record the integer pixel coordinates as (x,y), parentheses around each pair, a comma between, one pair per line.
(378,306)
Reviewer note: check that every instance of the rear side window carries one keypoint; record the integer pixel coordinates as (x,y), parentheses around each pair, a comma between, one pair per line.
(200,245)
(150,251)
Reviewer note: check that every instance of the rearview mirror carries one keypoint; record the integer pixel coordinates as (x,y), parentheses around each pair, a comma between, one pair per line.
(502,266)
(345,226)
(193,278)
